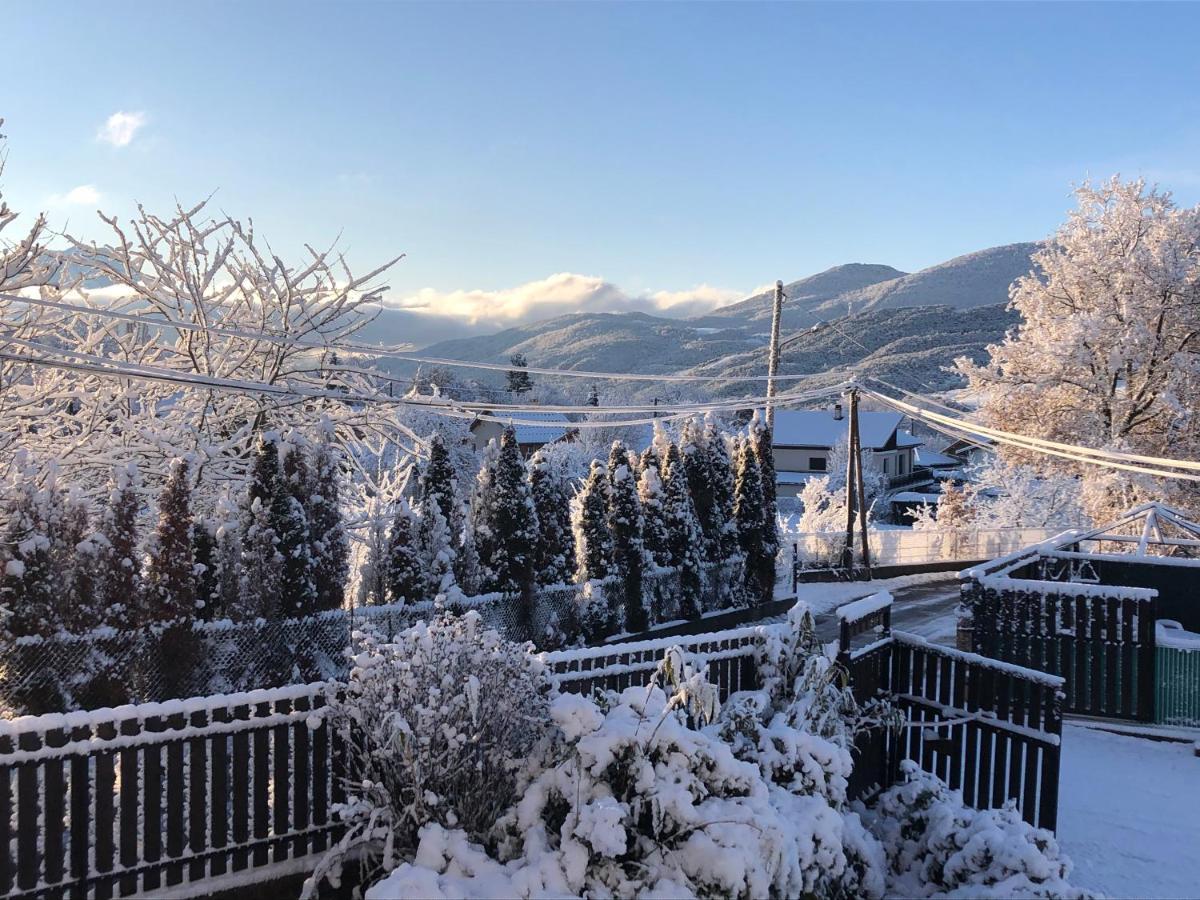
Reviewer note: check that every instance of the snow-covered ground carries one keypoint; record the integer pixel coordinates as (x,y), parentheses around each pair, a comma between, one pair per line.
(1129,814)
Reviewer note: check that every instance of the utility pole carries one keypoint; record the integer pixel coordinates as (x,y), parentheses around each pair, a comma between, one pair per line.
(773,355)
(855,493)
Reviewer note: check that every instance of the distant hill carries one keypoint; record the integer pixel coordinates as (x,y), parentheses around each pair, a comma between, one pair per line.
(912,325)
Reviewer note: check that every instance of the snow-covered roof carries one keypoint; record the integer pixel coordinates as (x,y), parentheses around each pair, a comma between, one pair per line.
(556,427)
(818,428)
(914,497)
(905,439)
(927,457)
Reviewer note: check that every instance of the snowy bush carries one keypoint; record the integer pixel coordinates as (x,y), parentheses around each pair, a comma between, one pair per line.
(643,805)
(937,846)
(438,725)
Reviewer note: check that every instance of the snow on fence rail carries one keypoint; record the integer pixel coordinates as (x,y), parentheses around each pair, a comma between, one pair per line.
(139,799)
(904,546)
(107,668)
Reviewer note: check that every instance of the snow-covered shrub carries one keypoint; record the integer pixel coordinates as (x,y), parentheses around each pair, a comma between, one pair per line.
(439,724)
(937,846)
(643,805)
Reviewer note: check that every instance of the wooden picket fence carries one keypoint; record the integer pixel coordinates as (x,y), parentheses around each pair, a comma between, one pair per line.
(990,729)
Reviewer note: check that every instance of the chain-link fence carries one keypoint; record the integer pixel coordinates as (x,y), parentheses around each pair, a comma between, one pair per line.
(194,659)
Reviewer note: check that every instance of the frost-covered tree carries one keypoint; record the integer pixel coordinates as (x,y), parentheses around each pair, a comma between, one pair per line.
(227,557)
(30,589)
(438,483)
(764,453)
(652,497)
(404,583)
(517,381)
(327,530)
(261,569)
(482,499)
(435,552)
(170,589)
(625,526)
(1105,354)
(551,491)
(684,537)
(721,480)
(120,566)
(748,511)
(295,537)
(513,524)
(698,468)
(593,543)
(79,551)
(650,459)
(372,588)
(204,569)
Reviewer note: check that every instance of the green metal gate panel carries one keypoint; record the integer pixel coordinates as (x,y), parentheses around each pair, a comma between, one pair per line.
(1178,695)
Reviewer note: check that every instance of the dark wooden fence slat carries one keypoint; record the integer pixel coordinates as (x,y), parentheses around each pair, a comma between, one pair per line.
(7,863)
(1128,657)
(320,776)
(152,803)
(81,808)
(105,800)
(1146,660)
(1097,645)
(301,779)
(176,799)
(281,793)
(28,809)
(55,790)
(218,803)
(240,799)
(262,787)
(197,751)
(130,836)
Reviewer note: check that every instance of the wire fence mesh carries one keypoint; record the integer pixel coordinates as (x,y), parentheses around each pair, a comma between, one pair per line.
(106,667)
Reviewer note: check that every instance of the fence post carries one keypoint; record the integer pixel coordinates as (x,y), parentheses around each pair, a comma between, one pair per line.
(1147,651)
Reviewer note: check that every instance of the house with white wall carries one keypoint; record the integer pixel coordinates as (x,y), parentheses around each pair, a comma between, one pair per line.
(804,440)
(550,427)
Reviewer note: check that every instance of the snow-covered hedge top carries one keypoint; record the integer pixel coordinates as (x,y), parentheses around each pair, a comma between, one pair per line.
(91,718)
(860,609)
(1068,588)
(1054,681)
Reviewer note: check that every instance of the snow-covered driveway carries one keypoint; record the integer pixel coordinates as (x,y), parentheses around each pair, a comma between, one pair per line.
(1129,814)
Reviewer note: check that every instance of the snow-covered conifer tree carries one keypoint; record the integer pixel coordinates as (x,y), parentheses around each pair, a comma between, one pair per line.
(262,564)
(593,543)
(434,552)
(625,526)
(650,459)
(404,582)
(652,497)
(698,467)
(205,573)
(438,484)
(330,543)
(30,588)
(513,523)
(227,557)
(295,537)
(80,554)
(721,480)
(482,498)
(120,567)
(372,587)
(748,511)
(551,492)
(170,590)
(684,538)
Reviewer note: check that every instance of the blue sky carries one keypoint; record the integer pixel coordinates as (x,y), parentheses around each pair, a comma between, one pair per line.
(652,148)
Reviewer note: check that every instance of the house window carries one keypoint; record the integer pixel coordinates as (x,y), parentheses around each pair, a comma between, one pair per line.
(887,465)
(816,464)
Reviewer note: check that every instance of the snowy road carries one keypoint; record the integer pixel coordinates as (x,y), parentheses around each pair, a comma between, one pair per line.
(1129,814)
(922,604)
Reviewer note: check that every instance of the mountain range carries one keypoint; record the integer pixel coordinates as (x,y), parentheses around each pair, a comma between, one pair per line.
(869,318)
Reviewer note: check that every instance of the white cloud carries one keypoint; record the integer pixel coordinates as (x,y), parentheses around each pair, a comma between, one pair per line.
(120,128)
(564,292)
(84,195)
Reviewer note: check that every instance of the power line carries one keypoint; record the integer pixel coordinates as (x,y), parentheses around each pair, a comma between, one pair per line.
(1019,441)
(368,350)
(103,366)
(1056,445)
